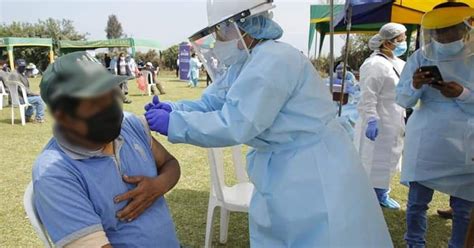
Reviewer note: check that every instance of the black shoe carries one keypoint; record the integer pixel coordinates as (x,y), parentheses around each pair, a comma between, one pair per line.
(446,214)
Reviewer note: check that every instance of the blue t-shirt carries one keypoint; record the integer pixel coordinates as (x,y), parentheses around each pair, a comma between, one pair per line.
(74,191)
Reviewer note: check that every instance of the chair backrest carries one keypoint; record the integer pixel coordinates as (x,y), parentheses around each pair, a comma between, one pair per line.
(148,75)
(2,88)
(28,203)
(13,87)
(216,164)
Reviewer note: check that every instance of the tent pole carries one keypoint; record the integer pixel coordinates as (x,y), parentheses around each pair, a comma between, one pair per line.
(346,56)
(11,58)
(331,45)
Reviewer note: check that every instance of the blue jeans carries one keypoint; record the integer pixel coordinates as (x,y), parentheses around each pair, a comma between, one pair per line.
(419,197)
(37,106)
(382,194)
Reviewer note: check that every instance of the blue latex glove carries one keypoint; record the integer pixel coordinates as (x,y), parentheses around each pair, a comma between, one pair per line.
(156,104)
(372,129)
(158,120)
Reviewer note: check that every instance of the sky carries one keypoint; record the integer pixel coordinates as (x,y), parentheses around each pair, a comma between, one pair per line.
(167,21)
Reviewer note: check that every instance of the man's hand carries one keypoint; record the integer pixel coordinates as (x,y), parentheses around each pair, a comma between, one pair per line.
(148,190)
(449,89)
(421,78)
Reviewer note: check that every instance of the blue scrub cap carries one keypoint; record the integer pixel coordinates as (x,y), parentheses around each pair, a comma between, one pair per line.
(262,28)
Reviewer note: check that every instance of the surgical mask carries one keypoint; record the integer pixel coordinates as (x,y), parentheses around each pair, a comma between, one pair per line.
(400,48)
(229,53)
(448,49)
(105,126)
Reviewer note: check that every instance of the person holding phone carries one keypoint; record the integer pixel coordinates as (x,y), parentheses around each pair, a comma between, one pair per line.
(439,143)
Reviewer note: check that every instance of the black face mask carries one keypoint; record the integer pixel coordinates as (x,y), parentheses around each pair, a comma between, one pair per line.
(105,126)
(21,69)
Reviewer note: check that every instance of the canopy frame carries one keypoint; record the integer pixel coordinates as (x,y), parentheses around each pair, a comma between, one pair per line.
(11,42)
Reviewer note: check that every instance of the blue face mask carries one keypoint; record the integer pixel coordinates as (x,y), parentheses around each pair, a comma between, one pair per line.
(448,49)
(400,49)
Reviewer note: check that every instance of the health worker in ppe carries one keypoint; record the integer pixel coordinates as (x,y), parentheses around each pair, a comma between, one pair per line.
(380,129)
(270,97)
(194,67)
(439,143)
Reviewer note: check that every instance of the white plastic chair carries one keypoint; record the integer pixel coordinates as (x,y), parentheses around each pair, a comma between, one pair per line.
(13,87)
(149,80)
(230,199)
(33,216)
(3,94)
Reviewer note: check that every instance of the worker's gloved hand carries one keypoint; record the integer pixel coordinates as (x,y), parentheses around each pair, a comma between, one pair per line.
(156,104)
(158,120)
(372,129)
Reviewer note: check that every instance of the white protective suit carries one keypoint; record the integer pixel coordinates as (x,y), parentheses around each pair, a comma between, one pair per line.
(379,76)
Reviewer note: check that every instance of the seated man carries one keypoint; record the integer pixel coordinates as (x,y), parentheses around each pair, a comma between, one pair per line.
(37,105)
(100,180)
(156,85)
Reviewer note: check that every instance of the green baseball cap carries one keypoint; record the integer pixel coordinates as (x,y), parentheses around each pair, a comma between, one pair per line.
(77,75)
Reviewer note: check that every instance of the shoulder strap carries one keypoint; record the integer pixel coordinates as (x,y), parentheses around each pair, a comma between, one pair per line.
(393,67)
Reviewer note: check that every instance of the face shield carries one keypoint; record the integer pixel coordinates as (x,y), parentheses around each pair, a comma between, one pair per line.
(220,47)
(447,38)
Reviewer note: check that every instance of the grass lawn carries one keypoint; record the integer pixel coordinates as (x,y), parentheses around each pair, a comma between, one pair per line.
(19,146)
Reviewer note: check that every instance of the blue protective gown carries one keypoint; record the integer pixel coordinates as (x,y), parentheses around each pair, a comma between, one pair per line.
(302,164)
(439,143)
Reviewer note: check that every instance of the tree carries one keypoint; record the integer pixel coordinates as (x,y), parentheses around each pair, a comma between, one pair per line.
(359,50)
(150,56)
(49,28)
(114,28)
(169,57)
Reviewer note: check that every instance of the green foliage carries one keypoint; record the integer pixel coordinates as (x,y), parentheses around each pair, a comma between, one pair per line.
(322,65)
(359,50)
(169,57)
(151,56)
(114,28)
(50,28)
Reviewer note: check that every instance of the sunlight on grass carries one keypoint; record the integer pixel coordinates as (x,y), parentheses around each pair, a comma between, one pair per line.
(19,146)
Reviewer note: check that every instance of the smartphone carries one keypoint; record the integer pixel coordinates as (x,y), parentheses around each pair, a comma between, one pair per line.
(434,73)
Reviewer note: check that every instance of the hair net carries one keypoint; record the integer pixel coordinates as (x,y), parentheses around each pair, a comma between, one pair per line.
(391,30)
(261,27)
(375,42)
(388,31)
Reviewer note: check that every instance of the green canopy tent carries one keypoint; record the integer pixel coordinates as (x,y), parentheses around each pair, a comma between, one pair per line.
(68,46)
(320,18)
(9,43)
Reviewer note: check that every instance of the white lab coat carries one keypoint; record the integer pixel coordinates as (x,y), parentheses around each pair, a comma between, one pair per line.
(379,78)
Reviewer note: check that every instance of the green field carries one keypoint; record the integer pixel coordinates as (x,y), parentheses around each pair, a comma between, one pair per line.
(19,146)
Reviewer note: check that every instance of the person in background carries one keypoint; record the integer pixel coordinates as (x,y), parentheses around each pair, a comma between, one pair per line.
(37,107)
(124,70)
(107,60)
(157,87)
(3,74)
(194,68)
(380,129)
(439,142)
(102,169)
(310,188)
(113,65)
(177,67)
(132,65)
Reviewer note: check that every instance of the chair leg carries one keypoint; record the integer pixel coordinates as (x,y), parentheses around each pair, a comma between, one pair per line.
(225,214)
(210,217)
(149,90)
(13,114)
(22,115)
(1,102)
